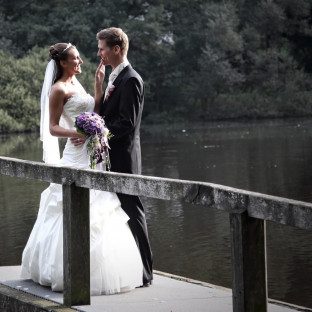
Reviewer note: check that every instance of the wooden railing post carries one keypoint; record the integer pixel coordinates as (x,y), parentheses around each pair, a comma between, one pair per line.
(76,247)
(247,229)
(249,274)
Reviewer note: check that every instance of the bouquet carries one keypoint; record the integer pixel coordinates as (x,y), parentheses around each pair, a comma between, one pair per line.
(97,135)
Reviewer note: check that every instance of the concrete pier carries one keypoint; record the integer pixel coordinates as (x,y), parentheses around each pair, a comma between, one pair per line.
(248,213)
(169,293)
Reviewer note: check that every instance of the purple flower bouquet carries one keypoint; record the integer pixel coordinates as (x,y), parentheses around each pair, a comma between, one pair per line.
(97,135)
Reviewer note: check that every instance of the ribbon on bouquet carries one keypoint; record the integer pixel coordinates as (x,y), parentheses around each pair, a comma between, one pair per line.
(103,164)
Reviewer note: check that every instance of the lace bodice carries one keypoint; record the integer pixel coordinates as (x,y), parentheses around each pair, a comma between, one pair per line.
(76,105)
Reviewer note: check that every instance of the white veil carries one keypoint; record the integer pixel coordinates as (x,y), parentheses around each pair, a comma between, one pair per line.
(51,151)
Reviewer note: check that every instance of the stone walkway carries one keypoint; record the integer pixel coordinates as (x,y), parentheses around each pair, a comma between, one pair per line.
(167,294)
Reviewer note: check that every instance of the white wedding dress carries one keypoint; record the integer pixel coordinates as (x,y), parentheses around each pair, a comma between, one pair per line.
(116,264)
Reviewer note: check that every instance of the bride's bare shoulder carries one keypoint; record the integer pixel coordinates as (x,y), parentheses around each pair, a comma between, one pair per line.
(58,93)
(58,88)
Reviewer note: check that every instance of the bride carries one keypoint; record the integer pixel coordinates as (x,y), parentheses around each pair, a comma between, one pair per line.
(116,264)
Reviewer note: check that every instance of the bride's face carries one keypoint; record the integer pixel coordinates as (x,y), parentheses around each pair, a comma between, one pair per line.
(73,62)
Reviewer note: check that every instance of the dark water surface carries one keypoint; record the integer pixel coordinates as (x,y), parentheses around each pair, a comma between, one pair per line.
(272,157)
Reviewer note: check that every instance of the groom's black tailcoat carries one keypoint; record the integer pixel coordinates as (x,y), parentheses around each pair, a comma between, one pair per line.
(122,113)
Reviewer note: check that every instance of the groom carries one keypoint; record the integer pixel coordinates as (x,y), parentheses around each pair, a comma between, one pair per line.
(121,106)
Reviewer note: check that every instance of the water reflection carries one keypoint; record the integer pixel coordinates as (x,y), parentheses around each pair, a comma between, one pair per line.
(270,157)
(19,198)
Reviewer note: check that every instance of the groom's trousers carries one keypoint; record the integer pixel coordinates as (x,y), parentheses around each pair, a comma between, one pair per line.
(134,209)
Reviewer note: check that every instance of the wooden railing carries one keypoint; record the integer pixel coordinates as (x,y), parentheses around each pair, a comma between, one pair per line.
(248,212)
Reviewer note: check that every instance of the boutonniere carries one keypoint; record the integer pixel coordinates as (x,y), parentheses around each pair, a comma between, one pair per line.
(110,89)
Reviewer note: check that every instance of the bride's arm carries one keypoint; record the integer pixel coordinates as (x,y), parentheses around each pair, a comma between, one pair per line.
(56,104)
(98,85)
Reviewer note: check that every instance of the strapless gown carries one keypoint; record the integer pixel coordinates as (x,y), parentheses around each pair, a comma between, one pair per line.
(116,264)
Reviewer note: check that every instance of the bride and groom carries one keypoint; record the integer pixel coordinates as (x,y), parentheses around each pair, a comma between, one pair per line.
(120,253)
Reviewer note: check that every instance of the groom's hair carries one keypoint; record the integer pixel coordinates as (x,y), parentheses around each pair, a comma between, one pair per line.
(114,36)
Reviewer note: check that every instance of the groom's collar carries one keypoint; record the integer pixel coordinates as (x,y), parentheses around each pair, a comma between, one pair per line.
(118,69)
(121,74)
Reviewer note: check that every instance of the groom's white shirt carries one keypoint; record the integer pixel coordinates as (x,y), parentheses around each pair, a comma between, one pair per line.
(114,74)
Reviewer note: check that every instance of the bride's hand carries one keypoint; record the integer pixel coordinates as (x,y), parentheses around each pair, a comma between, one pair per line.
(78,140)
(100,74)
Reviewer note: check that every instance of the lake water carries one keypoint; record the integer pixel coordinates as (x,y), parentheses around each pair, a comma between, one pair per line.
(272,157)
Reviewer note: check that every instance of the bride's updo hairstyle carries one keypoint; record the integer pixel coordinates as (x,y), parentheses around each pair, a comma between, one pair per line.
(59,52)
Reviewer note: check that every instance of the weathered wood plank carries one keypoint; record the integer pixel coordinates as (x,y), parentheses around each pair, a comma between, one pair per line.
(261,206)
(76,247)
(249,277)
(219,196)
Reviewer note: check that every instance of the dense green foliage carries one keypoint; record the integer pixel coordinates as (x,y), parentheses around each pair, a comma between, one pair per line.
(199,59)
(21,81)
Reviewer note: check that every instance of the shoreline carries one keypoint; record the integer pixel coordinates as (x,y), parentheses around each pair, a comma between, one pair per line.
(200,123)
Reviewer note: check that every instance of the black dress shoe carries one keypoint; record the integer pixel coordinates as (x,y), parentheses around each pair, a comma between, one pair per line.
(147,284)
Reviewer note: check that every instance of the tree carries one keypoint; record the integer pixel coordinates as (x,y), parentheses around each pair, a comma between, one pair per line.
(221,58)
(196,57)
(22,82)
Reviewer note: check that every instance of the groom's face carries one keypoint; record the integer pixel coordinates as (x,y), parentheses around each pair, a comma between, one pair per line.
(106,53)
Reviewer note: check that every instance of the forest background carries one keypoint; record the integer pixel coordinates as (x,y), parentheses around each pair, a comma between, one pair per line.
(200,60)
